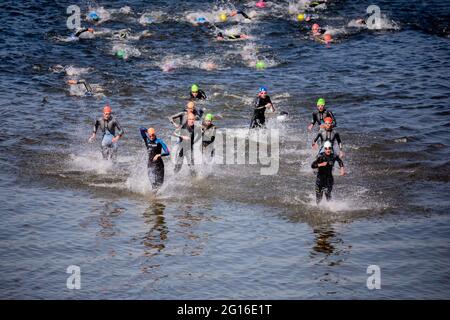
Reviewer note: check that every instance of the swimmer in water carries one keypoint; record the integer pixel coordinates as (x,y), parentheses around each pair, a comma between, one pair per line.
(328,134)
(156,149)
(108,125)
(82,86)
(196,93)
(84,33)
(262,102)
(320,115)
(325,163)
(221,37)
(183,116)
(208,135)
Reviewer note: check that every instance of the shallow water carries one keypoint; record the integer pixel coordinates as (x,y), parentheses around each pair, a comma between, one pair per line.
(229,232)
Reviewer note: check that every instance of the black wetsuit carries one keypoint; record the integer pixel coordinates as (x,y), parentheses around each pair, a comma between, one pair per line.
(186,130)
(79,32)
(318,117)
(259,118)
(155,168)
(208,137)
(182,116)
(201,95)
(108,128)
(325,175)
(332,136)
(229,37)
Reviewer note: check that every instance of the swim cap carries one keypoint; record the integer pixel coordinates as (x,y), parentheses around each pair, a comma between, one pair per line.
(223,17)
(107,108)
(260,65)
(191,116)
(194,88)
(94,16)
(327,144)
(315,26)
(300,17)
(209,117)
(120,53)
(190,105)
(201,20)
(328,120)
(262,89)
(321,102)
(261,4)
(327,37)
(151,131)
(90,30)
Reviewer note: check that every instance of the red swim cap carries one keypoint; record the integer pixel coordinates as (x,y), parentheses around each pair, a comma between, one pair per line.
(328,120)
(107,108)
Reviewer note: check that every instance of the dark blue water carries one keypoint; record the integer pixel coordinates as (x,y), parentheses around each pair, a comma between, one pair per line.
(230,232)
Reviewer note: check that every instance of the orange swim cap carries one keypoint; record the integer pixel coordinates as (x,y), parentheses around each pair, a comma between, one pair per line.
(327,37)
(151,131)
(107,108)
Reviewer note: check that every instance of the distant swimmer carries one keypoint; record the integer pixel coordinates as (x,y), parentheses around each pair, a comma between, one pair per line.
(325,163)
(316,30)
(262,102)
(208,135)
(242,13)
(156,149)
(108,124)
(261,4)
(85,33)
(187,137)
(80,87)
(221,37)
(197,93)
(319,116)
(328,135)
(182,116)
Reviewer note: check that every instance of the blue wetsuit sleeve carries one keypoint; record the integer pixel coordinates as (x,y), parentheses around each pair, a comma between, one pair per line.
(165,150)
(143,132)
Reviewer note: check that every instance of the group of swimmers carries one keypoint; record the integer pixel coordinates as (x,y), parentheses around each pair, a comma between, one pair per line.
(187,127)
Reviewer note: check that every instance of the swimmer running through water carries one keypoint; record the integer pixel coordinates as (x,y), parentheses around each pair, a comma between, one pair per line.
(325,163)
(320,115)
(108,124)
(156,149)
(262,102)
(328,135)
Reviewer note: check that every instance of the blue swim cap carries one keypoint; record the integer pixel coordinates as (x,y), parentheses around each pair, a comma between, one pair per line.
(262,89)
(201,20)
(94,16)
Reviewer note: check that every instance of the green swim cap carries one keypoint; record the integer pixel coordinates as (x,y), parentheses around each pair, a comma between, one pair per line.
(120,53)
(209,117)
(321,102)
(194,88)
(260,65)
